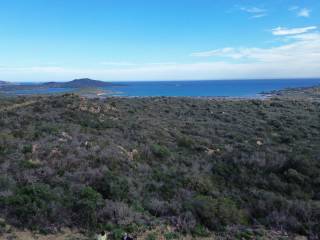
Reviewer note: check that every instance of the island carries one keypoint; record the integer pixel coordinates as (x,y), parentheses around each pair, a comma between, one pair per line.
(84,86)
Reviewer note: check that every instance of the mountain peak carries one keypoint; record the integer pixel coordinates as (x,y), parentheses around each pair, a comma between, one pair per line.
(79,83)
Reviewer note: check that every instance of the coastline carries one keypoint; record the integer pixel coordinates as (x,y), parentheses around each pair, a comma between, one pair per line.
(240,89)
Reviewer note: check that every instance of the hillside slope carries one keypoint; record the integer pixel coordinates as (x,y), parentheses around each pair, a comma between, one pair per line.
(199,165)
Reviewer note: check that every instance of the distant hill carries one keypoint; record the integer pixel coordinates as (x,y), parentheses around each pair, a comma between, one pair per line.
(4,83)
(77,83)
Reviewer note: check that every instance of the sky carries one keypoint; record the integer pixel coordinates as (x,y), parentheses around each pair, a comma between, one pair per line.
(123,40)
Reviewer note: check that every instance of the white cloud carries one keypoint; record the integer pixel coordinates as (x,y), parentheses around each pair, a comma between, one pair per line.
(304,49)
(293,8)
(255,12)
(283,67)
(259,15)
(298,58)
(280,31)
(304,12)
(120,64)
(301,12)
(253,9)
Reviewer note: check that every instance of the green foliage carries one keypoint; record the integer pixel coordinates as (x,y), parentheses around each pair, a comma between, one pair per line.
(216,164)
(151,236)
(160,151)
(32,203)
(2,149)
(216,213)
(87,204)
(200,231)
(117,234)
(113,187)
(185,142)
(30,164)
(27,148)
(171,235)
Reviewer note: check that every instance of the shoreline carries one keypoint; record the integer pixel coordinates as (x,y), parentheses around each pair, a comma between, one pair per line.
(253,91)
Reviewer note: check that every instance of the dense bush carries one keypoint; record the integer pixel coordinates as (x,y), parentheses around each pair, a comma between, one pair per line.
(87,205)
(113,187)
(197,164)
(33,205)
(217,213)
(160,151)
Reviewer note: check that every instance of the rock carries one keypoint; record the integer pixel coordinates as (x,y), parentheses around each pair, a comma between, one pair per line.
(133,154)
(2,221)
(129,154)
(210,151)
(62,140)
(300,238)
(108,108)
(34,162)
(4,227)
(55,153)
(35,148)
(66,136)
(94,109)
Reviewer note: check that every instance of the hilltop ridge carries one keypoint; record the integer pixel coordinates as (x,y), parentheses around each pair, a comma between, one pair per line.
(78,83)
(4,82)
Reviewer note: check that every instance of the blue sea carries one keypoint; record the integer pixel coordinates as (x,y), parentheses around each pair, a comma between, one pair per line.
(217,88)
(214,88)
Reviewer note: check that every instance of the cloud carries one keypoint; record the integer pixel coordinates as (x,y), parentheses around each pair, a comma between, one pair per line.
(192,71)
(253,9)
(304,49)
(301,12)
(297,58)
(305,12)
(255,12)
(213,52)
(280,31)
(293,8)
(120,64)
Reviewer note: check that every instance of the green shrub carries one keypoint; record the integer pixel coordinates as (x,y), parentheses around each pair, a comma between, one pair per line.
(113,187)
(32,204)
(30,164)
(171,235)
(185,142)
(160,151)
(200,231)
(151,236)
(215,213)
(87,205)
(117,234)
(2,149)
(27,148)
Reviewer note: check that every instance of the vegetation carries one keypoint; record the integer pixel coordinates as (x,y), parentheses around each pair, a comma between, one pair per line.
(199,165)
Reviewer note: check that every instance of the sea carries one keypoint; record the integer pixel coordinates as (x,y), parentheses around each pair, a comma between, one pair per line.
(208,88)
(200,88)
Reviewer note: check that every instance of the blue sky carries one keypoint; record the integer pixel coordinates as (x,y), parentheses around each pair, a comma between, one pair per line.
(44,40)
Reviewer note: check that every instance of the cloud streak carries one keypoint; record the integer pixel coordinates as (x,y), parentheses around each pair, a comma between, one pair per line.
(280,31)
(301,12)
(304,48)
(304,12)
(255,12)
(298,57)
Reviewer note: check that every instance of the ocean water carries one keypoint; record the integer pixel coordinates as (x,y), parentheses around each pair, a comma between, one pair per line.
(43,91)
(228,88)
